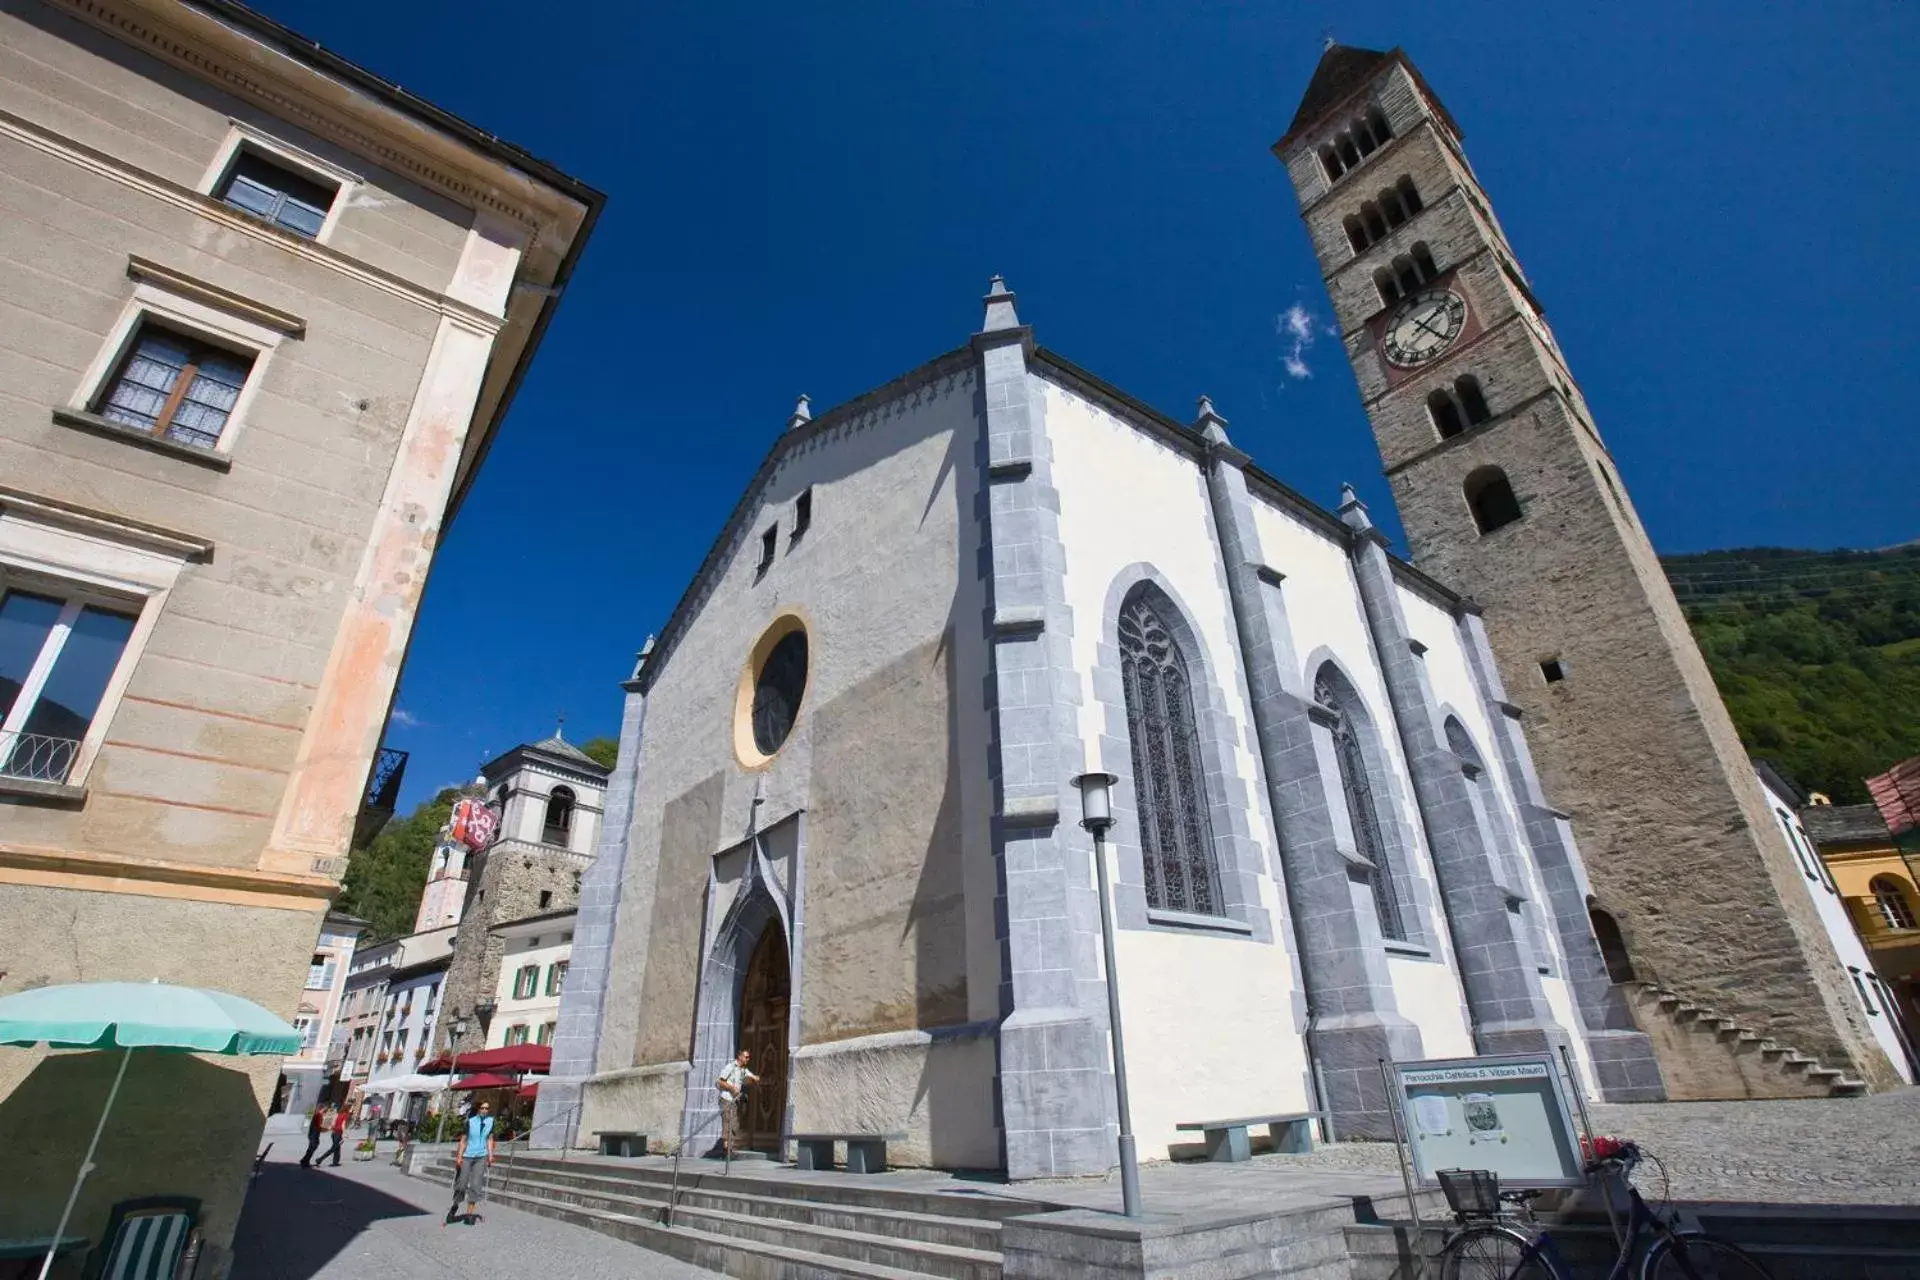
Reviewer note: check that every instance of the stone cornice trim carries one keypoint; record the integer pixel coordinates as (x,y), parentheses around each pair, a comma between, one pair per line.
(154,877)
(106,524)
(170,192)
(139,268)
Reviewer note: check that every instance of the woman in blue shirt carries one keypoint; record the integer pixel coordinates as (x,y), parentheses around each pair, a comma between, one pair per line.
(470,1162)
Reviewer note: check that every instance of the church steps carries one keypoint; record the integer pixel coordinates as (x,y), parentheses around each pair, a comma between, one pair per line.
(960,1231)
(728,1255)
(761,1228)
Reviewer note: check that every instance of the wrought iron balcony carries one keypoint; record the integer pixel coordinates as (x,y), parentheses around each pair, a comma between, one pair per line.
(383,793)
(37,757)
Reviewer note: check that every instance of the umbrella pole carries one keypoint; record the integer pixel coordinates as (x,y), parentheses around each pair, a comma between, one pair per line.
(86,1165)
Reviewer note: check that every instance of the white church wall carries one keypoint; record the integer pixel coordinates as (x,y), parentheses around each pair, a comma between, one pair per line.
(1325,618)
(1199,1008)
(1816,881)
(885,582)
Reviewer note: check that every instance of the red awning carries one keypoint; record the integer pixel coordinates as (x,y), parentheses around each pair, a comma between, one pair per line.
(485,1080)
(508,1057)
(529,1090)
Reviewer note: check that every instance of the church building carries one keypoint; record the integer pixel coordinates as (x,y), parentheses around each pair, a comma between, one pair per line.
(844,834)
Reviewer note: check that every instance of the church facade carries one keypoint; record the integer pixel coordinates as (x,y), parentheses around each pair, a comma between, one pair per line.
(843,831)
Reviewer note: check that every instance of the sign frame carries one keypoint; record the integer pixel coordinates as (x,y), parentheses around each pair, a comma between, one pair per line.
(1570,1158)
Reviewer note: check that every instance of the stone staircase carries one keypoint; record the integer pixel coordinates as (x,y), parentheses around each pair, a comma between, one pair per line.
(760,1225)
(1725,1052)
(761,1228)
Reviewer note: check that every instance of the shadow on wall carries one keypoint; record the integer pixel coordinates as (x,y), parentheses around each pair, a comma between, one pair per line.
(181,1126)
(297,1221)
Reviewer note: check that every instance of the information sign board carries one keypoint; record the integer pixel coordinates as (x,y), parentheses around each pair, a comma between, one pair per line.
(1507,1114)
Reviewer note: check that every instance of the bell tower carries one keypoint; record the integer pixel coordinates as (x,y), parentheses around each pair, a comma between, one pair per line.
(1508,493)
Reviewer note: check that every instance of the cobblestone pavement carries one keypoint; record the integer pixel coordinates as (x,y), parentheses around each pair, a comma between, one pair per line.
(369,1221)
(1816,1151)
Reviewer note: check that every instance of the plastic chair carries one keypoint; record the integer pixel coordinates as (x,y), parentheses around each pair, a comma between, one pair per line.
(144,1239)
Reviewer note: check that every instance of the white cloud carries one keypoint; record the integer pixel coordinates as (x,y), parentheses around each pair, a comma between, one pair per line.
(1297,330)
(404,718)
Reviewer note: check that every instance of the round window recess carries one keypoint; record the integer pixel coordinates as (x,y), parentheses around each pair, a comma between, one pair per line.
(773,691)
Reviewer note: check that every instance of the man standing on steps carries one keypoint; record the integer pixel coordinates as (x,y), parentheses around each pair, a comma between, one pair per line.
(471,1160)
(733,1084)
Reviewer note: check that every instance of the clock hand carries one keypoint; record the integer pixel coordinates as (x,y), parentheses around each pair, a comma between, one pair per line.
(1429,328)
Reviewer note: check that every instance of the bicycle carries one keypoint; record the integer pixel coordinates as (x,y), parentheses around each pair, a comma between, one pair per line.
(1498,1243)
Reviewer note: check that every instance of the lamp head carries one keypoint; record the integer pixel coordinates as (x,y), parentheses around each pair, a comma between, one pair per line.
(1096,801)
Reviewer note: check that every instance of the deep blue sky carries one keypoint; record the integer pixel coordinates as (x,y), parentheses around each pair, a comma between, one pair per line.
(1716,203)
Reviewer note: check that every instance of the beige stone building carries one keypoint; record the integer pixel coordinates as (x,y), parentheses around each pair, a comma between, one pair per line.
(264,314)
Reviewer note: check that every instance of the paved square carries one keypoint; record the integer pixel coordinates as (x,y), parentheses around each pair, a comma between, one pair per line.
(369,1221)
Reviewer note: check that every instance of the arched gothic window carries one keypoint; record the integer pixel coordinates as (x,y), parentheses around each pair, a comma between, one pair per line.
(1890,895)
(559,823)
(1362,810)
(1169,778)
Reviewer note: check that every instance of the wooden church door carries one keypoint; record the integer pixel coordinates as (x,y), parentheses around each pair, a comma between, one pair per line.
(763,1033)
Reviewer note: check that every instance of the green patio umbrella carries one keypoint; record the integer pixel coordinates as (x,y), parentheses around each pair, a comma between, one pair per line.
(136,1015)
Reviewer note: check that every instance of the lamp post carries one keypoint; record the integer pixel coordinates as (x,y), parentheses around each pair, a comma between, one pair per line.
(1096,815)
(453,1067)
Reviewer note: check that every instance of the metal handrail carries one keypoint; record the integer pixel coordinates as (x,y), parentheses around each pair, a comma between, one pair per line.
(673,1188)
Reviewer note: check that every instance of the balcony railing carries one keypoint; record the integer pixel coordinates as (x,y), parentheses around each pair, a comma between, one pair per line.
(37,757)
(382,794)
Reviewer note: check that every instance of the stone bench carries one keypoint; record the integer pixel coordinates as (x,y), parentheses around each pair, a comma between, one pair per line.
(1227,1139)
(866,1152)
(620,1142)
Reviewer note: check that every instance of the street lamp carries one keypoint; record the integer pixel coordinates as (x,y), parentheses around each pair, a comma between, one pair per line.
(453,1068)
(1096,810)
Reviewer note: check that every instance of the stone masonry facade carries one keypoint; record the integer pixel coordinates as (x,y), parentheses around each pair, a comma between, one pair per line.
(1634,743)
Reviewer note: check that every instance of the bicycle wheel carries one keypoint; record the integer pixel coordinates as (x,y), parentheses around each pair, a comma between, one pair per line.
(1490,1252)
(1695,1257)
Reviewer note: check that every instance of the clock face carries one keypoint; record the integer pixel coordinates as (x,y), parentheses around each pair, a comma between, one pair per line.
(1425,325)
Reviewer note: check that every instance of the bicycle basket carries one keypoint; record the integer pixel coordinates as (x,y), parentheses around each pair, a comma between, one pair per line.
(1471,1192)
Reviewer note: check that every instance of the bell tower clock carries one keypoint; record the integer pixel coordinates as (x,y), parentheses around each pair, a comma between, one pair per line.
(1508,492)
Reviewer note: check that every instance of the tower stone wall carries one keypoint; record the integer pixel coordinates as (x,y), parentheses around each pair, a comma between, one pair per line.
(1634,741)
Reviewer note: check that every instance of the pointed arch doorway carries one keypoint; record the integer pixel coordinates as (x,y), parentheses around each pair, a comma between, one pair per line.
(764,999)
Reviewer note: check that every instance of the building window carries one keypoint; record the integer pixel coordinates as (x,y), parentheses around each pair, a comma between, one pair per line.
(802,513)
(1405,275)
(546,899)
(1613,947)
(769,543)
(556,977)
(319,972)
(558,826)
(58,655)
(1169,778)
(1860,986)
(546,1033)
(1553,670)
(1490,497)
(1363,812)
(276,193)
(1455,408)
(175,387)
(526,983)
(1890,896)
(1362,136)
(777,691)
(309,1032)
(517,1033)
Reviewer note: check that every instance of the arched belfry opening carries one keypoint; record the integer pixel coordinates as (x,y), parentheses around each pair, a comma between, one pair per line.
(1613,944)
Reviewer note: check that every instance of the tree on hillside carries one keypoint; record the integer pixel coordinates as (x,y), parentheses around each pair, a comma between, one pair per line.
(603,750)
(384,877)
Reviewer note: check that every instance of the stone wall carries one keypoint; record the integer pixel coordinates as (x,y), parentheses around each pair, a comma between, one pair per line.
(505,885)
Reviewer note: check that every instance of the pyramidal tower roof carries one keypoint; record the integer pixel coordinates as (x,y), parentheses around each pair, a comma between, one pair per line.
(1343,69)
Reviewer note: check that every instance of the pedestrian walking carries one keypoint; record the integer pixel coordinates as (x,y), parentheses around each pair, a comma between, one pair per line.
(316,1129)
(471,1160)
(733,1083)
(339,1135)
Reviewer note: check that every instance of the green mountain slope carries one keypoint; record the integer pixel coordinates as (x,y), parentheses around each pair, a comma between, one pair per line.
(1817,654)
